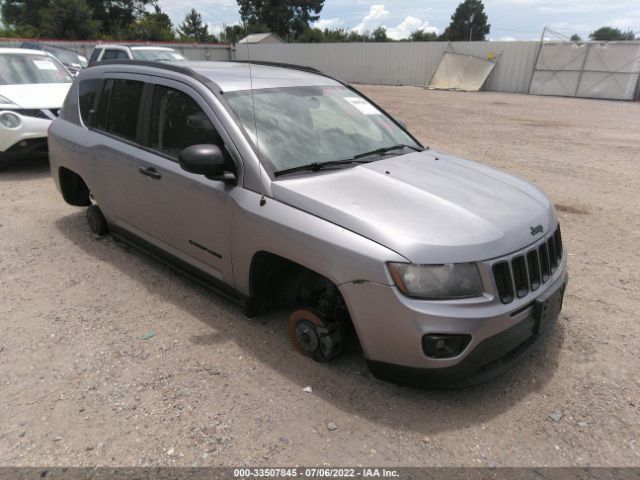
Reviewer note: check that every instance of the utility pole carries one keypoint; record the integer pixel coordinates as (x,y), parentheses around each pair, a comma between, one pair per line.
(471,26)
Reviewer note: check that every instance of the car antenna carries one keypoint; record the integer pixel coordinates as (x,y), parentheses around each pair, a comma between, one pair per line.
(253,102)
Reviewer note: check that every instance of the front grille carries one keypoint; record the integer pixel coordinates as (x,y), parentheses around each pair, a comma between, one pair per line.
(30,112)
(525,273)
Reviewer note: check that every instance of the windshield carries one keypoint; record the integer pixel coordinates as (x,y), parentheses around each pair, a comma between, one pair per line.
(16,69)
(303,125)
(157,55)
(69,58)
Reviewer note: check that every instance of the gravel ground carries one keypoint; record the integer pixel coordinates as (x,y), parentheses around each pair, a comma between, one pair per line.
(79,384)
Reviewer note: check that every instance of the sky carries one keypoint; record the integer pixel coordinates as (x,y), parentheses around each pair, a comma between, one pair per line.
(509,19)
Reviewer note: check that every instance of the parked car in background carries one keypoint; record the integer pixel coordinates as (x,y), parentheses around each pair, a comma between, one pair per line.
(135,52)
(33,85)
(73,61)
(287,189)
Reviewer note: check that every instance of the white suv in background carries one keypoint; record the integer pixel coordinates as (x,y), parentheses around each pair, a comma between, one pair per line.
(124,52)
(33,85)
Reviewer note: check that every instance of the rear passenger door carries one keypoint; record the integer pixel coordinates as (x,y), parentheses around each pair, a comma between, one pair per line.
(118,147)
(188,213)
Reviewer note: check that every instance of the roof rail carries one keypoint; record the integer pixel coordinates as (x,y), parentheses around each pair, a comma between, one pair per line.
(303,68)
(292,66)
(163,65)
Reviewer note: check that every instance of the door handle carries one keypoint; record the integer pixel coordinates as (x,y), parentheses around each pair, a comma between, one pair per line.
(150,172)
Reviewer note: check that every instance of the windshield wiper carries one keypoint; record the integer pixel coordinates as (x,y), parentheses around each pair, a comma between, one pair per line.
(383,150)
(316,166)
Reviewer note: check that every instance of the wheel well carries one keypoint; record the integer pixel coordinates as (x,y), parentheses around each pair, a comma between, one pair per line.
(74,189)
(278,282)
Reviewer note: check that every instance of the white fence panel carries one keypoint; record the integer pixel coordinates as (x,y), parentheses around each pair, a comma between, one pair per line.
(405,63)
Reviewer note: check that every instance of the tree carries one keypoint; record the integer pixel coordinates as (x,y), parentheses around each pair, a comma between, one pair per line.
(312,35)
(576,38)
(611,34)
(193,28)
(68,19)
(117,17)
(422,36)
(23,15)
(152,27)
(232,33)
(380,35)
(468,22)
(290,18)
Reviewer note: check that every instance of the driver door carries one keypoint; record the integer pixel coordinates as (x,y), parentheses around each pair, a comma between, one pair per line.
(188,214)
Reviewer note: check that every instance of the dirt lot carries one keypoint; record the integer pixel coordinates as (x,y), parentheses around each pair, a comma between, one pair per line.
(80,386)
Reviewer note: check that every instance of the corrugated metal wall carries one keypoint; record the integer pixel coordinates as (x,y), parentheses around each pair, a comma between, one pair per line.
(192,52)
(401,63)
(593,70)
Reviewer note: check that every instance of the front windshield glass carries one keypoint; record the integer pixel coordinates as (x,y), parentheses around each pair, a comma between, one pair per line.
(16,69)
(302,125)
(150,55)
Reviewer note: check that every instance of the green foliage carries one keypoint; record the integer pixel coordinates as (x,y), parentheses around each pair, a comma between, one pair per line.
(423,36)
(22,15)
(286,19)
(117,17)
(68,19)
(462,27)
(576,38)
(153,27)
(194,29)
(232,33)
(380,35)
(611,34)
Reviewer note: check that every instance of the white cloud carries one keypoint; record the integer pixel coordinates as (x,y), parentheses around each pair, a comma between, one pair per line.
(373,19)
(378,13)
(328,23)
(408,26)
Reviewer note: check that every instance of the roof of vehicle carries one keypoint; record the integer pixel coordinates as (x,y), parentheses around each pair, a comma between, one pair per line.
(133,47)
(25,51)
(45,46)
(235,76)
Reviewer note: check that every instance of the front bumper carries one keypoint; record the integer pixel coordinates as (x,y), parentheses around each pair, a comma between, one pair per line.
(29,139)
(391,326)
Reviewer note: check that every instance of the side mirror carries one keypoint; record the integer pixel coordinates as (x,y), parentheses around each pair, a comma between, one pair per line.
(207,160)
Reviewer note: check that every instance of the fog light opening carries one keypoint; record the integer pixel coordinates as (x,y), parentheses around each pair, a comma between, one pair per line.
(436,345)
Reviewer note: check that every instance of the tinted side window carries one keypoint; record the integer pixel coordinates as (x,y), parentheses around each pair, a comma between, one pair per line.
(177,122)
(103,105)
(88,89)
(123,108)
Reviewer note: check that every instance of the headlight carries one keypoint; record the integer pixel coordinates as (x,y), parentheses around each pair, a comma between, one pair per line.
(437,282)
(5,100)
(10,120)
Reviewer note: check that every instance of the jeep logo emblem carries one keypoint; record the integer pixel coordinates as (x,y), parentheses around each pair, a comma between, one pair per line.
(536,230)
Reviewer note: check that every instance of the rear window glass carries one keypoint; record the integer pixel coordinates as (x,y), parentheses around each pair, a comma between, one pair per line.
(118,107)
(123,108)
(115,55)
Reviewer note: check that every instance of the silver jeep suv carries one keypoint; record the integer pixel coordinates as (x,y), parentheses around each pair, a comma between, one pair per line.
(282,187)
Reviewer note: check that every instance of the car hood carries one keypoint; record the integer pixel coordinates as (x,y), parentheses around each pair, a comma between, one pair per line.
(428,207)
(38,95)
